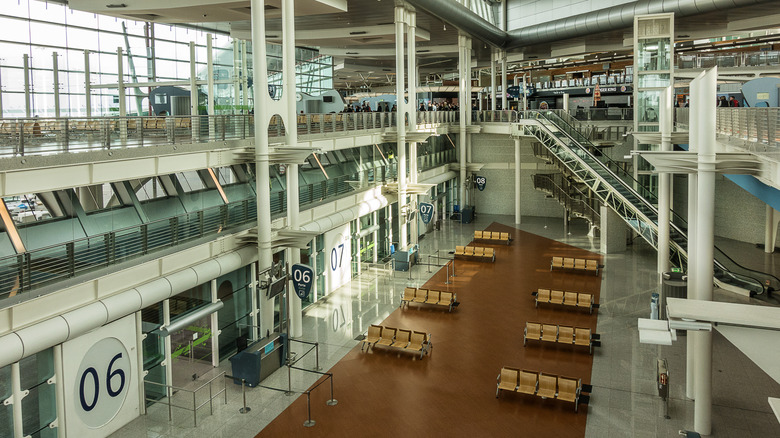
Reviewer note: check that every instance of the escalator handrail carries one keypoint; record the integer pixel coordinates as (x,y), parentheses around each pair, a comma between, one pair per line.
(683,251)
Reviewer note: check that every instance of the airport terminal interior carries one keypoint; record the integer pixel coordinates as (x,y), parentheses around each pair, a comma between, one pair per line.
(389,217)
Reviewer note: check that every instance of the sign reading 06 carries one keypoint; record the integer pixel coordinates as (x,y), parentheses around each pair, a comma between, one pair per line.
(102,382)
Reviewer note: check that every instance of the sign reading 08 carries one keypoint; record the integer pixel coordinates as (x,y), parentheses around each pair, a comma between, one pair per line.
(102,382)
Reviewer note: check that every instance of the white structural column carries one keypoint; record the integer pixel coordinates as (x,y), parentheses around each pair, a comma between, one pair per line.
(464,53)
(401,114)
(214,322)
(693,188)
(262,175)
(16,398)
(210,87)
(503,80)
(27,108)
(664,198)
(411,60)
(244,79)
(87,85)
(493,103)
(237,75)
(705,237)
(167,344)
(517,181)
(194,94)
(253,288)
(55,70)
(770,230)
(293,205)
(122,101)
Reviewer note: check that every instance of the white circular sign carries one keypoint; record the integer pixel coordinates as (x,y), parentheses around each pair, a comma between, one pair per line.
(102,382)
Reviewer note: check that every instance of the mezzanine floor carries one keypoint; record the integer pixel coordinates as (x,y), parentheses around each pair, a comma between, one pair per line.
(624,401)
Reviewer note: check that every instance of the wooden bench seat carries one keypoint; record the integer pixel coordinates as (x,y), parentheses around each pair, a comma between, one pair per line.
(561,334)
(561,298)
(575,264)
(492,237)
(543,385)
(425,296)
(476,253)
(402,339)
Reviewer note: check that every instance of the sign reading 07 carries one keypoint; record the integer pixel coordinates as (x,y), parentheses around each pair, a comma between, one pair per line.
(102,382)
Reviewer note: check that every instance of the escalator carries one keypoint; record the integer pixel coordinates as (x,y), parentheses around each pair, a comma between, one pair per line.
(617,188)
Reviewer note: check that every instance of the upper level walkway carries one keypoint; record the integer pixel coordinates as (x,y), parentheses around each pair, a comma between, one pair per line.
(89,151)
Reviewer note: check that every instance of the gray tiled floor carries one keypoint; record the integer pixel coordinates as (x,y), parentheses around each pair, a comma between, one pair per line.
(624,400)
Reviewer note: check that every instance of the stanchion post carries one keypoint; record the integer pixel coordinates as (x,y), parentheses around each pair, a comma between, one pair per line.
(317,355)
(332,401)
(289,378)
(245,409)
(309,422)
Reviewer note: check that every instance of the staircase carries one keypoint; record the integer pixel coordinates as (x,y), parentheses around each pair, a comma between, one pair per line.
(611,183)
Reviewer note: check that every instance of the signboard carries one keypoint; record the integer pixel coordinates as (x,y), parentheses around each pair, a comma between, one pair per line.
(426,212)
(481,182)
(302,277)
(100,371)
(338,257)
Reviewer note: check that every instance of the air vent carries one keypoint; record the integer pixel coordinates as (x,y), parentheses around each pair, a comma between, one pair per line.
(423,51)
(271,8)
(361,32)
(144,17)
(352,53)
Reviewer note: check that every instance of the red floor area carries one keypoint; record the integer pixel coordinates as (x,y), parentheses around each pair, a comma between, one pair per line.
(451,392)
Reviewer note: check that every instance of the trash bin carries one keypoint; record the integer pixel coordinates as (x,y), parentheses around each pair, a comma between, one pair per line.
(674,285)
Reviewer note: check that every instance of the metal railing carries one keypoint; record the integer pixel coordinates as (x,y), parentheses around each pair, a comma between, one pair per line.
(757,125)
(46,136)
(171,390)
(331,402)
(744,59)
(39,267)
(560,189)
(602,114)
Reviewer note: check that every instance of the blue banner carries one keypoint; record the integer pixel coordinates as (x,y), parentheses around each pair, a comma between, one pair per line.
(303,277)
(481,182)
(426,212)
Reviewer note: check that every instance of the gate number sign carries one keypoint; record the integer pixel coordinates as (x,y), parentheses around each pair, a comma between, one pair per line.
(426,212)
(302,276)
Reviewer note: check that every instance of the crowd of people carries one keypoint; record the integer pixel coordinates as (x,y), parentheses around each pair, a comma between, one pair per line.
(365,107)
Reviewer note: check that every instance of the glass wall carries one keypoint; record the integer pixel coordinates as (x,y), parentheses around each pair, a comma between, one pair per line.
(6,411)
(234,318)
(39,406)
(32,31)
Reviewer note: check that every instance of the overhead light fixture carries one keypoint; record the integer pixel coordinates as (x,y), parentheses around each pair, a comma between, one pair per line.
(689,324)
(445,26)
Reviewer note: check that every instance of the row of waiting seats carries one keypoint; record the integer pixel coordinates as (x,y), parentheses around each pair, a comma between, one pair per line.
(543,385)
(477,253)
(561,334)
(587,265)
(425,296)
(406,340)
(492,237)
(571,299)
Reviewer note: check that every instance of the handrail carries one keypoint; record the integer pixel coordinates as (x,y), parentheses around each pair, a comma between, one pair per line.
(169,393)
(758,286)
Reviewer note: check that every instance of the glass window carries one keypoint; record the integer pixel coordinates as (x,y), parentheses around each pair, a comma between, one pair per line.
(39,407)
(6,411)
